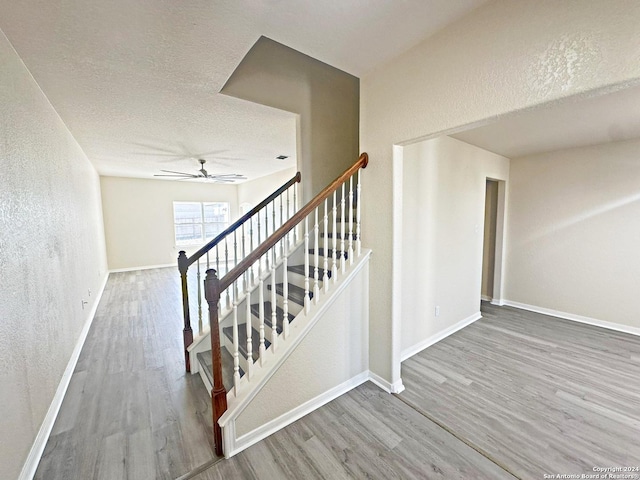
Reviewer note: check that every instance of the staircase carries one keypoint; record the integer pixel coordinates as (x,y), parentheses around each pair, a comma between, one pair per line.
(273,287)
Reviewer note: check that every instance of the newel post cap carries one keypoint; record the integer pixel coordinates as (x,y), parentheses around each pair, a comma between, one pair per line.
(212,286)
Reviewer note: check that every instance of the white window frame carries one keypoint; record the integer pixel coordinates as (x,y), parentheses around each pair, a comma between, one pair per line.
(202,223)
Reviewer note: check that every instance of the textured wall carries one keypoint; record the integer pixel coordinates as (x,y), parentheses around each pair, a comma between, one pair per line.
(326,99)
(574,232)
(138,217)
(442,237)
(503,57)
(51,253)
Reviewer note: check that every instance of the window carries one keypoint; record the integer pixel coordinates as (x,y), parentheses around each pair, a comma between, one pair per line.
(197,222)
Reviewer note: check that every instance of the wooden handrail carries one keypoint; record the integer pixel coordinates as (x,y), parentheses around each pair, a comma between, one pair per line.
(290,224)
(238,223)
(214,287)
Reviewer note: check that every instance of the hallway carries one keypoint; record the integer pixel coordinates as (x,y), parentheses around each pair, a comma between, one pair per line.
(131,411)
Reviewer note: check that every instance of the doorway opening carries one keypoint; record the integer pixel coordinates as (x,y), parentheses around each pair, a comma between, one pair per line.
(491,290)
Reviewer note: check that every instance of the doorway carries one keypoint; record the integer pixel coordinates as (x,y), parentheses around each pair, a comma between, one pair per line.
(491,290)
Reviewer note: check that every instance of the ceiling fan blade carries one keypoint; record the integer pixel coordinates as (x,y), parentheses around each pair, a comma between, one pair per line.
(180,173)
(177,176)
(230,175)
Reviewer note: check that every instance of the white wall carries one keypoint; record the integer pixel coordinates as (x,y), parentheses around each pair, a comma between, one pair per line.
(334,351)
(325,98)
(574,232)
(51,254)
(443,234)
(255,191)
(138,217)
(504,56)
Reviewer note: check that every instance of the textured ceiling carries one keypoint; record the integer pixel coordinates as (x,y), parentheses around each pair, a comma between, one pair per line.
(137,82)
(575,122)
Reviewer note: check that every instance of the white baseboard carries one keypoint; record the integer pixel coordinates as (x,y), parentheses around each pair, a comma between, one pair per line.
(618,327)
(269,428)
(499,302)
(485,298)
(147,267)
(418,347)
(395,387)
(33,459)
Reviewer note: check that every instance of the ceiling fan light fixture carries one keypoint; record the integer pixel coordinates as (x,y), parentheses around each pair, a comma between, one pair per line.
(222,178)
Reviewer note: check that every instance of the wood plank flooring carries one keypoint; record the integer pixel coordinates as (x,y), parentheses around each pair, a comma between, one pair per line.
(365,433)
(514,392)
(539,395)
(131,411)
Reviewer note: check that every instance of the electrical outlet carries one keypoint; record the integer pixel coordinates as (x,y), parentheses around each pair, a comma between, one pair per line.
(437,313)
(89,292)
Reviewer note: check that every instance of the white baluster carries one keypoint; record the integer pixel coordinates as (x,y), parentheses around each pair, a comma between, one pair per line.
(236,353)
(266,230)
(218,260)
(247,300)
(243,242)
(342,232)
(235,249)
(273,224)
(295,209)
(307,302)
(325,276)
(285,293)
(262,348)
(289,237)
(316,253)
(226,269)
(351,220)
(358,219)
(334,232)
(259,242)
(274,315)
(199,300)
(253,277)
(208,267)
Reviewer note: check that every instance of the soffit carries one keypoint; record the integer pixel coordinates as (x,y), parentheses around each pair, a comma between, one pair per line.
(574,122)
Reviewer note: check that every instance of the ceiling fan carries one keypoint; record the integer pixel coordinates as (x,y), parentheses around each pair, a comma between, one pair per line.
(223,178)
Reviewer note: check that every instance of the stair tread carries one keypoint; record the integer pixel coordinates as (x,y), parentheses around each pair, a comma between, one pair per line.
(296,293)
(204,358)
(242,340)
(300,270)
(255,310)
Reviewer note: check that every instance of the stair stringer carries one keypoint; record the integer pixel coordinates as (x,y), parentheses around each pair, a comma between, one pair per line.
(325,355)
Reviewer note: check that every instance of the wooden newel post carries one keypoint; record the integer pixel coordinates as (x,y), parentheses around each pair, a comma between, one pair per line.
(187,333)
(218,392)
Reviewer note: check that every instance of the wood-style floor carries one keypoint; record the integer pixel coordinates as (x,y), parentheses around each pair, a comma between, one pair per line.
(513,395)
(131,411)
(538,395)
